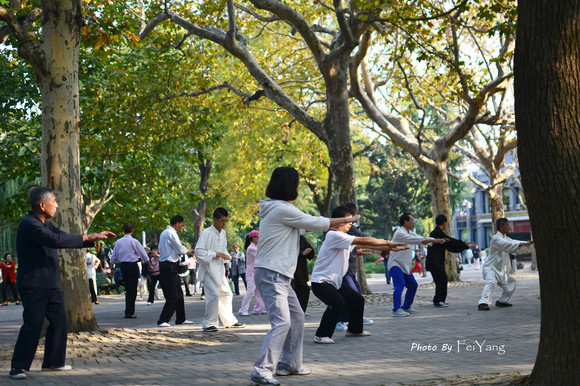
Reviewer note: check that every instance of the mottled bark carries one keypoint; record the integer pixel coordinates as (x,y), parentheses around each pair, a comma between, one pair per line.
(547,106)
(60,160)
(440,199)
(496,205)
(336,124)
(199,213)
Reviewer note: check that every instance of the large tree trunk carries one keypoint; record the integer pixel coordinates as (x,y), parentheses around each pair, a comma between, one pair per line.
(547,106)
(441,202)
(496,203)
(337,127)
(60,161)
(199,213)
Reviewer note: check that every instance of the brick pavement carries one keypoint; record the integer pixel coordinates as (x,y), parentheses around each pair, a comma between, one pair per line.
(435,346)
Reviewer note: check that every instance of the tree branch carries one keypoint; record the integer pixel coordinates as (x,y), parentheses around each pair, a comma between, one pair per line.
(269,87)
(289,15)
(19,26)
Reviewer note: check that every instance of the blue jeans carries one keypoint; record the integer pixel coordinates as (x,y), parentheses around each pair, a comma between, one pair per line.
(400,281)
(387,273)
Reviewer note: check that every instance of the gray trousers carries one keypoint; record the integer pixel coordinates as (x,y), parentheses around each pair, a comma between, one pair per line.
(285,339)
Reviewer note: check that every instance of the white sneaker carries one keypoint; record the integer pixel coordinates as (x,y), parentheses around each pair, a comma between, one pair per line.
(61,368)
(364,333)
(367,321)
(244,314)
(187,322)
(323,340)
(410,310)
(400,312)
(341,326)
(164,324)
(149,303)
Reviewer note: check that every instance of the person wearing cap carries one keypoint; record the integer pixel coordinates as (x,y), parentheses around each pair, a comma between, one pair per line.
(251,290)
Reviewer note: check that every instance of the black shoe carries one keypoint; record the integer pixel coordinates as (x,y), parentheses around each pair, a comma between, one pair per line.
(210,329)
(483,307)
(130,317)
(17,374)
(237,325)
(500,304)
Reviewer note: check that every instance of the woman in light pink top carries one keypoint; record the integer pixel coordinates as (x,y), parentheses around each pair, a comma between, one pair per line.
(251,251)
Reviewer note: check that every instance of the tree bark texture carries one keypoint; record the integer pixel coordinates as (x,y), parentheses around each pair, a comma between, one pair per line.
(199,214)
(60,160)
(496,203)
(337,127)
(547,106)
(441,202)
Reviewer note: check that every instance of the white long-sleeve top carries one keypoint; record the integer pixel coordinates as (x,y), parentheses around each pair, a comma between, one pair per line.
(402,259)
(498,260)
(210,242)
(170,246)
(279,242)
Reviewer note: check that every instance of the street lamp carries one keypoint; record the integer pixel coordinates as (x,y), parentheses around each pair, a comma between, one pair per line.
(144,242)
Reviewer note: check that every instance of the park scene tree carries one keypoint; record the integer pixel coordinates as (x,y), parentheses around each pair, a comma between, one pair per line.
(157,108)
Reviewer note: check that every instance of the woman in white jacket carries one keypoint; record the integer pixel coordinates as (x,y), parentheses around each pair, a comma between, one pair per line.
(280,226)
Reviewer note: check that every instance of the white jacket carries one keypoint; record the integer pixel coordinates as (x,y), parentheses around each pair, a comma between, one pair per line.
(211,241)
(279,241)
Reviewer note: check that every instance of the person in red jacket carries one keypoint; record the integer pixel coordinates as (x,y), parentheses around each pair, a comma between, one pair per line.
(9,277)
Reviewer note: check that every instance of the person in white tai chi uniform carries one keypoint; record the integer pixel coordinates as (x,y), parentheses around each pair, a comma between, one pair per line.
(212,252)
(497,267)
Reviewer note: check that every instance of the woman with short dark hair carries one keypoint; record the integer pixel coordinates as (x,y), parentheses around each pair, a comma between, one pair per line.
(280,226)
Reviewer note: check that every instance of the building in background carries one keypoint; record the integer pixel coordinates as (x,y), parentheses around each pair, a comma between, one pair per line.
(472,221)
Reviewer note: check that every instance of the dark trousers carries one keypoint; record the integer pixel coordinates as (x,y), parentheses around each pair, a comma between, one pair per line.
(171,286)
(92,291)
(130,272)
(300,283)
(151,283)
(12,288)
(185,280)
(440,279)
(237,284)
(349,280)
(37,304)
(336,300)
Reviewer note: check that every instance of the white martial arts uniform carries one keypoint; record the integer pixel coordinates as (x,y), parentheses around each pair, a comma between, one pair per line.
(212,274)
(496,268)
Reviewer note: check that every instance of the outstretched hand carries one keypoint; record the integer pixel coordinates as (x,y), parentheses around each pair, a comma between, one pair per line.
(393,245)
(396,249)
(354,218)
(98,236)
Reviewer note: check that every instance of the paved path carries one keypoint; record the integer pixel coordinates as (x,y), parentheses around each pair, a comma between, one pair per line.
(436,344)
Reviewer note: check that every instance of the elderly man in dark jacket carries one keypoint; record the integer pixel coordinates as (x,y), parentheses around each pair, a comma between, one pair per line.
(436,259)
(39,283)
